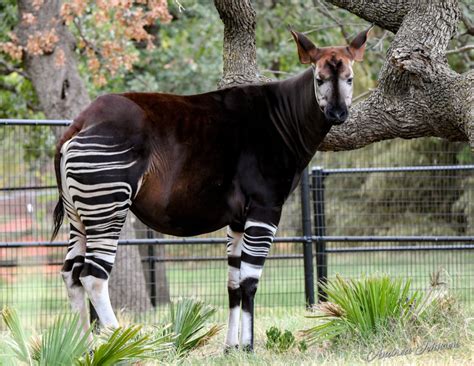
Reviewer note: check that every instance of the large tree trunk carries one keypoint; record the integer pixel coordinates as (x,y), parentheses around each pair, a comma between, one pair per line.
(418,94)
(62,94)
(128,290)
(60,89)
(239,53)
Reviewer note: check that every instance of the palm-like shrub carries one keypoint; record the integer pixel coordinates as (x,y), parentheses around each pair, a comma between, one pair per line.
(364,306)
(65,342)
(62,344)
(127,344)
(188,319)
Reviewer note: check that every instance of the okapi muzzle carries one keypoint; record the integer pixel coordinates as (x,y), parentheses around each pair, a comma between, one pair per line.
(333,75)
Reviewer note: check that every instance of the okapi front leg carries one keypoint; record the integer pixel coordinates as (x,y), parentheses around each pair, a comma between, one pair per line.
(258,238)
(234,251)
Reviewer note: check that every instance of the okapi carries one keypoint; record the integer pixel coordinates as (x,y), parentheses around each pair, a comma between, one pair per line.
(188,165)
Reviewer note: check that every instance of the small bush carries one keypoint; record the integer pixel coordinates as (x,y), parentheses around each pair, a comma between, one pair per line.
(188,319)
(280,342)
(360,309)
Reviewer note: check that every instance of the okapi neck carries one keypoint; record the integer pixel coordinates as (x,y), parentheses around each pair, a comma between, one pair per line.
(297,116)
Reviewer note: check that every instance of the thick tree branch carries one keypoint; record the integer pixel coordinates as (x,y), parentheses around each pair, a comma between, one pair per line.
(418,94)
(387,14)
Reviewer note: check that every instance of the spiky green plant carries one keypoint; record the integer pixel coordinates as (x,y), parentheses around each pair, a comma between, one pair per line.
(61,344)
(65,343)
(127,344)
(188,319)
(17,342)
(363,306)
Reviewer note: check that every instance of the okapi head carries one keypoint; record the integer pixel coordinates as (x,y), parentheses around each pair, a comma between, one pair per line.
(333,73)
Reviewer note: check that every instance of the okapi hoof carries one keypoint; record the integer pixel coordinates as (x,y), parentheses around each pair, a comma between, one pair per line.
(229,349)
(248,348)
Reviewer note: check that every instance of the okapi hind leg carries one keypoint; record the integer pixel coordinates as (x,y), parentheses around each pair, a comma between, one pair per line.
(103,175)
(103,227)
(72,267)
(234,251)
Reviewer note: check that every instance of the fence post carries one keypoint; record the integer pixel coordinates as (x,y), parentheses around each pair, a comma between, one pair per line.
(151,267)
(320,229)
(308,242)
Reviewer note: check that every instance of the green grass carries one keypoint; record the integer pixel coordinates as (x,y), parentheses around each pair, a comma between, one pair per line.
(345,354)
(294,319)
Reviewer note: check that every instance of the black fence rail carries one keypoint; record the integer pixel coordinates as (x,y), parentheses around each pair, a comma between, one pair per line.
(405,221)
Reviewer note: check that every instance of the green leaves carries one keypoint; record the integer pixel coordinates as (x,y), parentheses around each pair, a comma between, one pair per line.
(63,343)
(66,343)
(188,318)
(281,342)
(363,307)
(18,340)
(125,344)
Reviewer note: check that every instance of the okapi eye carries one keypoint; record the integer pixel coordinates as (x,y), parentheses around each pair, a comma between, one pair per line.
(349,81)
(319,81)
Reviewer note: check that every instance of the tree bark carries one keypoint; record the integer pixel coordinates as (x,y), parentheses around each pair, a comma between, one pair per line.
(239,51)
(418,94)
(127,285)
(157,276)
(60,89)
(63,95)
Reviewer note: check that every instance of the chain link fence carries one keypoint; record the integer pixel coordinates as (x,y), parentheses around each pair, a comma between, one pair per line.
(349,218)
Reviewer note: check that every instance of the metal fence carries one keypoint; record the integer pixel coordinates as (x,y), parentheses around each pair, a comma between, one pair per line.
(405,221)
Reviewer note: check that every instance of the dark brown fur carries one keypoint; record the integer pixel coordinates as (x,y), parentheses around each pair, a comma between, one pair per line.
(212,159)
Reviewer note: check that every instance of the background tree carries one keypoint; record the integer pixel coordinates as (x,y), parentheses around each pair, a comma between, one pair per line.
(42,49)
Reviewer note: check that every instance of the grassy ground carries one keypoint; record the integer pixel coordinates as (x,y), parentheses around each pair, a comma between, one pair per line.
(293,319)
(348,354)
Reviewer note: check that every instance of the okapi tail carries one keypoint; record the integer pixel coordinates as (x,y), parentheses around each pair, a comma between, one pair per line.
(58,214)
(58,217)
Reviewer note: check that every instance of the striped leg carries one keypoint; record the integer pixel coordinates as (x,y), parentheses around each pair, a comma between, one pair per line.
(72,267)
(97,176)
(103,223)
(234,251)
(74,262)
(258,237)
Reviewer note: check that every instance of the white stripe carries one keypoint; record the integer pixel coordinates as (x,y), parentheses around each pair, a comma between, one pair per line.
(250,270)
(246,336)
(270,227)
(232,338)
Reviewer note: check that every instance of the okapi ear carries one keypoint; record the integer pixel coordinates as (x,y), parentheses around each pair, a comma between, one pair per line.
(307,51)
(357,46)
